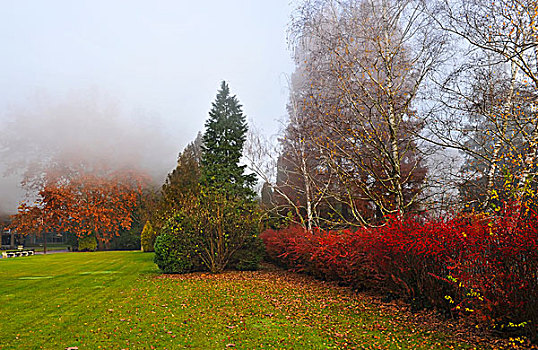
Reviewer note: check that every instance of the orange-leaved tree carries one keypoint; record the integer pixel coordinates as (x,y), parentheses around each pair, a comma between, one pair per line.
(86,202)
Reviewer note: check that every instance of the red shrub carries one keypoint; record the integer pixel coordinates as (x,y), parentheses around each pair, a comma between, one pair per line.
(334,255)
(501,264)
(476,265)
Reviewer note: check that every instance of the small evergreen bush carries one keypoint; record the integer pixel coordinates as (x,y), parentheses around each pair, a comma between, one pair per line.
(147,238)
(127,240)
(175,247)
(87,244)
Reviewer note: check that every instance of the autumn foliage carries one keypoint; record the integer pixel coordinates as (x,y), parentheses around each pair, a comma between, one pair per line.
(86,203)
(478,266)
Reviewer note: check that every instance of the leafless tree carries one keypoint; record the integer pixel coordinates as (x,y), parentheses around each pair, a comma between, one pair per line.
(364,63)
(291,171)
(490,99)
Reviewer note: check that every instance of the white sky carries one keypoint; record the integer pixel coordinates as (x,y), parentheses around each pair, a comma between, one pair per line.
(162,57)
(162,61)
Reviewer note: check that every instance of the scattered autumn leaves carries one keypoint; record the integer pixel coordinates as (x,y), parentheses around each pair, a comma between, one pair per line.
(117,300)
(297,307)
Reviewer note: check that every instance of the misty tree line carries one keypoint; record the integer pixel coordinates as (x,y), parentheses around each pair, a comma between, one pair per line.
(400,107)
(395,108)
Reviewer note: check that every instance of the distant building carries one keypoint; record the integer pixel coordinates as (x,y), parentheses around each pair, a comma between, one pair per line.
(8,236)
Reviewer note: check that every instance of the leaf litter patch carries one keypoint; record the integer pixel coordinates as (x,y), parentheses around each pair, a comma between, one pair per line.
(269,280)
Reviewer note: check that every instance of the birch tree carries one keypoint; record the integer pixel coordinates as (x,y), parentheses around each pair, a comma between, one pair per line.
(365,63)
(501,38)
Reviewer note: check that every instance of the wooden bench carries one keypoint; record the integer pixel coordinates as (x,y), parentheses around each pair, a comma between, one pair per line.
(17,253)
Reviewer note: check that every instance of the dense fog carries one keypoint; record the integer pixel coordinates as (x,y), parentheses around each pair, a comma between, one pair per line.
(83,127)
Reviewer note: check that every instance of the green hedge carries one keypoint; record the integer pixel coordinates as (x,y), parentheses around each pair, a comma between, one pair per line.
(175,247)
(87,244)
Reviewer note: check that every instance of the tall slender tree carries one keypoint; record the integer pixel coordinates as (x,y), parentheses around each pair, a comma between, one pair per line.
(491,114)
(222,147)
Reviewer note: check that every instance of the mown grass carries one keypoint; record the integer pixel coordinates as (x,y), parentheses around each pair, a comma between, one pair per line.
(118,300)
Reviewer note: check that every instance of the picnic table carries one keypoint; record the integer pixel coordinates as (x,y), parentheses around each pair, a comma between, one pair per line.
(20,251)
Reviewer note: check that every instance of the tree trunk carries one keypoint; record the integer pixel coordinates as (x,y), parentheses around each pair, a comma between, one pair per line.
(507,111)
(12,239)
(100,244)
(309,215)
(44,241)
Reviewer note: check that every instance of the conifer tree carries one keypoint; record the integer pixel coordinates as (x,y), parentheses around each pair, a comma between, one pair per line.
(182,182)
(222,147)
(215,225)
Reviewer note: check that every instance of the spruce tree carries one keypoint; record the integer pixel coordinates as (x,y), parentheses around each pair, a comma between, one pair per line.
(222,148)
(217,222)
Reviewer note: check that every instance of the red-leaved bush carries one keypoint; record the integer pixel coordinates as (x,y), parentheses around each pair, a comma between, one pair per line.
(334,255)
(468,265)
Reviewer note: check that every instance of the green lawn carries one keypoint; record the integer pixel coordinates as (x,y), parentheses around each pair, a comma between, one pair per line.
(118,300)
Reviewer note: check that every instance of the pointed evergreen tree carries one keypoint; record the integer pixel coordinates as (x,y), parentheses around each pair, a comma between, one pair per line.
(222,147)
(216,225)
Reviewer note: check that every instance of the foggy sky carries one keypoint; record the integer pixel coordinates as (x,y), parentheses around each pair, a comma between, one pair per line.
(132,80)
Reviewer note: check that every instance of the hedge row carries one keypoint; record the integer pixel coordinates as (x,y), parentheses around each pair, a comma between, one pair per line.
(478,266)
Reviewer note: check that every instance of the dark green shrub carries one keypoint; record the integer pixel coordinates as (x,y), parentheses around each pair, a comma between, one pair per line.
(71,240)
(175,247)
(168,257)
(223,225)
(248,258)
(87,244)
(127,240)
